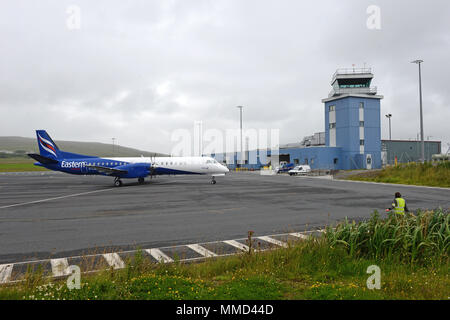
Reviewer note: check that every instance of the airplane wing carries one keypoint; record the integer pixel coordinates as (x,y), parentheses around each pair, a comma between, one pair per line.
(109,171)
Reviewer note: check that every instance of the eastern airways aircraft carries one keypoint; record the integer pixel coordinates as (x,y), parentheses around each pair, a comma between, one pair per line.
(52,158)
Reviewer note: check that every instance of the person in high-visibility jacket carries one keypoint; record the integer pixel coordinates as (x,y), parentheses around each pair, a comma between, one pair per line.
(399,205)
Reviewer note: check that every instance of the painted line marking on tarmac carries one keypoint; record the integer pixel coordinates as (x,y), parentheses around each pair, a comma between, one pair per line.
(60,267)
(203,251)
(114,260)
(55,198)
(159,255)
(274,241)
(238,245)
(5,272)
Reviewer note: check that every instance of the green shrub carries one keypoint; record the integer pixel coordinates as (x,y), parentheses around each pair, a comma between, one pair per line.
(422,237)
(427,174)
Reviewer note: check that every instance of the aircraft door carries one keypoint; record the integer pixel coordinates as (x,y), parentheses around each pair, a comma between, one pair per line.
(84,169)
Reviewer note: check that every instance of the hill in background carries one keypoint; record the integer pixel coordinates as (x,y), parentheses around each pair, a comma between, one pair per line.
(19,146)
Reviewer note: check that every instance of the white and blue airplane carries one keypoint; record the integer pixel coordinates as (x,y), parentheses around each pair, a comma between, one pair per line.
(51,157)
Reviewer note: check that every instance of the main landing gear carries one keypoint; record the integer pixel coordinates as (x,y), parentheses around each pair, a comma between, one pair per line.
(213,180)
(141,180)
(117,182)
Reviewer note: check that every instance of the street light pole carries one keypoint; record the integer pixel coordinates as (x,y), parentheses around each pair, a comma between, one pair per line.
(199,126)
(421,114)
(113,143)
(240,109)
(389,117)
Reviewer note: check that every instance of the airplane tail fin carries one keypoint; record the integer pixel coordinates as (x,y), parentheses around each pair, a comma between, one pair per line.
(47,148)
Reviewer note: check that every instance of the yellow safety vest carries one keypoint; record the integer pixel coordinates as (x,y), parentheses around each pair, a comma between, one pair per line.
(399,206)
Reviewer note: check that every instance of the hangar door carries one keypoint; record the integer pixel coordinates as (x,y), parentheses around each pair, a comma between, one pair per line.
(285,157)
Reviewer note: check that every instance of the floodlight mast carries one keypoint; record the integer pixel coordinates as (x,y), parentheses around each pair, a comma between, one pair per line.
(242,155)
(421,114)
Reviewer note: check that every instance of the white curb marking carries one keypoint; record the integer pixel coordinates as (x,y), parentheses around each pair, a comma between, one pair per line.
(393,184)
(238,245)
(274,241)
(114,260)
(199,249)
(59,267)
(299,235)
(159,255)
(5,272)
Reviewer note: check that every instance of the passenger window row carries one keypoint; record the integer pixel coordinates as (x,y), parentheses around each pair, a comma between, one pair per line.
(107,163)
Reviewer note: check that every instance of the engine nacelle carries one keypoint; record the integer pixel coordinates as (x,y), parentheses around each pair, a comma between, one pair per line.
(135,170)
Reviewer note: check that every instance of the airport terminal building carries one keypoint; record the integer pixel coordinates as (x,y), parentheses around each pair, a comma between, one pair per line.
(352,136)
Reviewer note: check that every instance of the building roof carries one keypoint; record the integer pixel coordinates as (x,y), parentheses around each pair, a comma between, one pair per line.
(369,96)
(387,140)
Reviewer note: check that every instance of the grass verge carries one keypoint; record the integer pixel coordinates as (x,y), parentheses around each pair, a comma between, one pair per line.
(427,174)
(411,251)
(18,165)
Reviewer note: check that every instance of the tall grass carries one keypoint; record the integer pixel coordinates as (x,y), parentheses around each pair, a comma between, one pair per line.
(412,252)
(418,238)
(427,174)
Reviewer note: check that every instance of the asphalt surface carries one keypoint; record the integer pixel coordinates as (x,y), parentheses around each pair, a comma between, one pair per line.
(50,215)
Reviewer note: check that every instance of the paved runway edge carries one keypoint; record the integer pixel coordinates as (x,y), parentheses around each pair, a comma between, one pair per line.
(60,267)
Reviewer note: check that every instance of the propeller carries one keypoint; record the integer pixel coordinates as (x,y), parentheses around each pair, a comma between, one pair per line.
(152,167)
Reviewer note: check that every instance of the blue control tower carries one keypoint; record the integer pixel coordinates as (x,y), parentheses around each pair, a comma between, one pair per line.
(352,119)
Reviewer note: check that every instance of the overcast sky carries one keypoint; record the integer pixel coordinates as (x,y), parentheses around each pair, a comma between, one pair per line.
(138,70)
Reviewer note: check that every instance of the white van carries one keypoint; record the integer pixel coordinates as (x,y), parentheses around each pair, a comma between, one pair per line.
(303,169)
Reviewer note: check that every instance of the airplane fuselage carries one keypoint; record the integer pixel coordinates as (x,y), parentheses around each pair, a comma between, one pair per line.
(158,165)
(51,157)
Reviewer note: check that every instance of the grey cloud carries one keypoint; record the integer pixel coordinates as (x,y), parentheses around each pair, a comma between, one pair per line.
(206,57)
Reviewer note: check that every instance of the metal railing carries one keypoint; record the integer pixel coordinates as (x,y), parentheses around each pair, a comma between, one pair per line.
(352,71)
(366,90)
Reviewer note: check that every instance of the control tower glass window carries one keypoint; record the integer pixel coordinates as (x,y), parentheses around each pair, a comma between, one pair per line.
(354,83)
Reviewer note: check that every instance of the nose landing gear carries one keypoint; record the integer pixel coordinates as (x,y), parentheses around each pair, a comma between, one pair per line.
(213,180)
